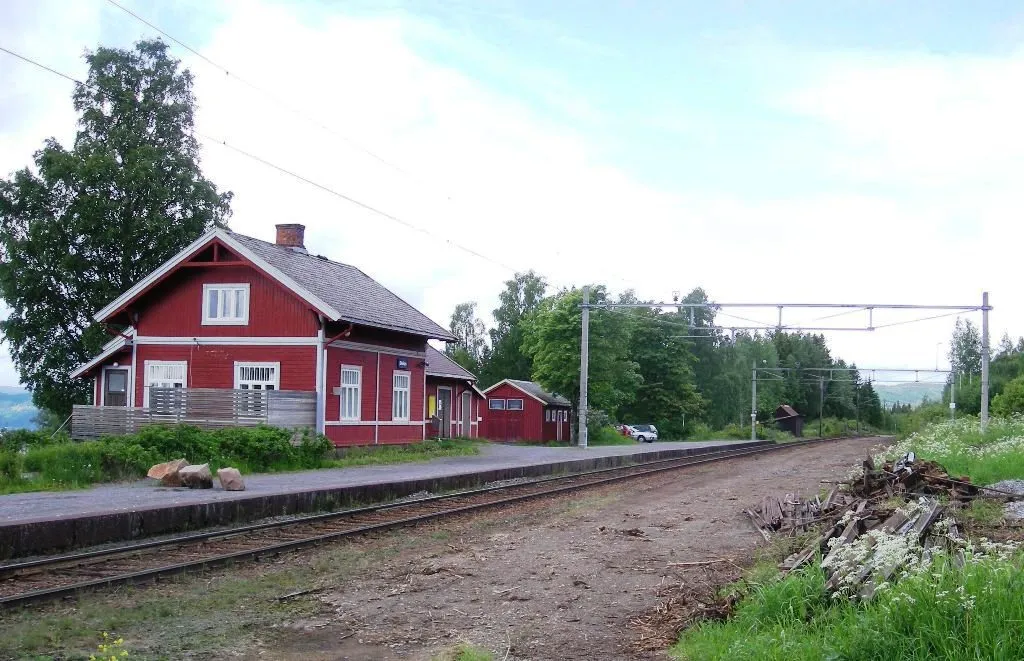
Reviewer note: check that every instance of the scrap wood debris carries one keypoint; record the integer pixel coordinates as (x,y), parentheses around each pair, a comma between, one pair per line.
(880,521)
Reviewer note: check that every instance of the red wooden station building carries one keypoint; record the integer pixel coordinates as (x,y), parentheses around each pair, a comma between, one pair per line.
(235,313)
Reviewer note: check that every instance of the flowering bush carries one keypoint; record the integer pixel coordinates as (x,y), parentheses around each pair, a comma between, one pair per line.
(962,449)
(110,649)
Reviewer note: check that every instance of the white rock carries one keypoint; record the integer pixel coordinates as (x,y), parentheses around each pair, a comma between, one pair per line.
(230,479)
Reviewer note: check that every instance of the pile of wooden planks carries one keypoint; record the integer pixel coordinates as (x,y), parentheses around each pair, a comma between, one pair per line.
(897,503)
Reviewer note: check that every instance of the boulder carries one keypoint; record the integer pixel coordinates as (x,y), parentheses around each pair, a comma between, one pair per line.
(230,479)
(196,477)
(167,472)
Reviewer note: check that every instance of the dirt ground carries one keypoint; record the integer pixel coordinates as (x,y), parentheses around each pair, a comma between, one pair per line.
(602,575)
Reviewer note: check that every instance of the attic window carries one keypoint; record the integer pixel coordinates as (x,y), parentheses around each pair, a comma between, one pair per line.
(226,305)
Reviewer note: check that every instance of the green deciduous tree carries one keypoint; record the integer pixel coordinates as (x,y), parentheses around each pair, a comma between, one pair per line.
(470,348)
(1011,399)
(82,225)
(667,392)
(522,294)
(965,348)
(551,339)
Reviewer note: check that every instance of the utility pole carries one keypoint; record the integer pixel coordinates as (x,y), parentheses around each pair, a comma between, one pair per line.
(753,401)
(984,360)
(584,365)
(952,396)
(821,402)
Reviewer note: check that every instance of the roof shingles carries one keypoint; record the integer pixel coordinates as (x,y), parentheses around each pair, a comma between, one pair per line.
(439,364)
(358,297)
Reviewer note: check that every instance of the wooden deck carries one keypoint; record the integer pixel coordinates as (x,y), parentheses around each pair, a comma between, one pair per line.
(206,408)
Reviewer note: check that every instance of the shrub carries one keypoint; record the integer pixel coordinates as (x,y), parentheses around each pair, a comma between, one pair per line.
(607,435)
(15,440)
(12,465)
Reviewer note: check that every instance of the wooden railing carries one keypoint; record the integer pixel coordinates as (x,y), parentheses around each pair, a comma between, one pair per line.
(207,408)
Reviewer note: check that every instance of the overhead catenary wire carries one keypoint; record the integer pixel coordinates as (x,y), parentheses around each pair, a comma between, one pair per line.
(266,93)
(267,163)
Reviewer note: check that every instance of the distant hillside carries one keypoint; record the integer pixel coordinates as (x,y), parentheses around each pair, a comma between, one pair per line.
(908,393)
(16,410)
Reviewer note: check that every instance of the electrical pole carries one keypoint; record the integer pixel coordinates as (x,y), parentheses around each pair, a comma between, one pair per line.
(584,365)
(821,402)
(753,401)
(984,361)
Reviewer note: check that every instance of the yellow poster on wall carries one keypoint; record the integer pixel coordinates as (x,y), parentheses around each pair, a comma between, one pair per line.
(431,406)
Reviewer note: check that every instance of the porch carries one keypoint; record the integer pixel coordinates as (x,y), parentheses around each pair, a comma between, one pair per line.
(206,408)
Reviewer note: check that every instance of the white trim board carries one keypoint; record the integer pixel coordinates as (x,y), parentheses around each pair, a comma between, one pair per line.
(371,423)
(299,341)
(377,348)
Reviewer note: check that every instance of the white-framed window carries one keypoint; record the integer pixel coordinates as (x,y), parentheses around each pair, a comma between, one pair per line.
(164,374)
(547,415)
(496,404)
(400,400)
(351,392)
(514,405)
(226,304)
(257,376)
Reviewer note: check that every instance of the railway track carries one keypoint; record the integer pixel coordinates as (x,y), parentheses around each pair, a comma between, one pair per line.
(52,577)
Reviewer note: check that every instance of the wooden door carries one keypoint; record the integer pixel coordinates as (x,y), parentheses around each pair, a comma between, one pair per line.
(444,412)
(115,387)
(467,417)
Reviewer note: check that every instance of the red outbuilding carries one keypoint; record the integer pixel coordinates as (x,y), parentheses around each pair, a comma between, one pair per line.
(524,411)
(235,330)
(454,404)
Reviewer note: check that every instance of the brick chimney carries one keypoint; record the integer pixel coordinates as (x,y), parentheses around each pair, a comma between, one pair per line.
(292,236)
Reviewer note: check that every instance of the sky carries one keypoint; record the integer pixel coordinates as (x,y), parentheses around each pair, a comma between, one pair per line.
(844,152)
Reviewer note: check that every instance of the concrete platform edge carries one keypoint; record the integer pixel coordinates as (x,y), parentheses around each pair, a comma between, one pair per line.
(52,535)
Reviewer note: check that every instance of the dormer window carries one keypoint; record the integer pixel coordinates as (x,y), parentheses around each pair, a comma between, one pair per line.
(226,305)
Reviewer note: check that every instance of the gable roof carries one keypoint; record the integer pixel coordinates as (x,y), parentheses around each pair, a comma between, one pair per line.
(439,364)
(534,390)
(787,410)
(338,291)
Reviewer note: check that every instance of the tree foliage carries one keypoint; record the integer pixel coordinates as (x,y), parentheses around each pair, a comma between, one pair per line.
(82,225)
(551,339)
(521,296)
(470,348)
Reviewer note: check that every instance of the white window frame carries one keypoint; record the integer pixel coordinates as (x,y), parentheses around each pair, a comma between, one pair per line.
(491,404)
(514,399)
(358,387)
(239,365)
(547,415)
(397,414)
(148,382)
(225,321)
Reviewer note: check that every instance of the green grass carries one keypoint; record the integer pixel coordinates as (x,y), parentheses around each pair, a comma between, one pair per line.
(69,465)
(465,652)
(962,449)
(400,454)
(922,617)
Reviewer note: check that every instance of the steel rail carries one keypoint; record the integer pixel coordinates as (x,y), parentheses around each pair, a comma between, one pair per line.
(627,472)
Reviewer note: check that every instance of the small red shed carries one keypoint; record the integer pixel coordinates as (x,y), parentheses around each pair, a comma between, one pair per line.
(454,404)
(524,411)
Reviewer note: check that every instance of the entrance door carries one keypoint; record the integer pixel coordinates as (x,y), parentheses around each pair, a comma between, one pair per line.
(444,412)
(115,387)
(467,410)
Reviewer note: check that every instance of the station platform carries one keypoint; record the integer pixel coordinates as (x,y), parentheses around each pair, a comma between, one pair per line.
(41,522)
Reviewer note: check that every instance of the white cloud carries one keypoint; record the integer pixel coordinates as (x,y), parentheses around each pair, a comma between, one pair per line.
(926,148)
